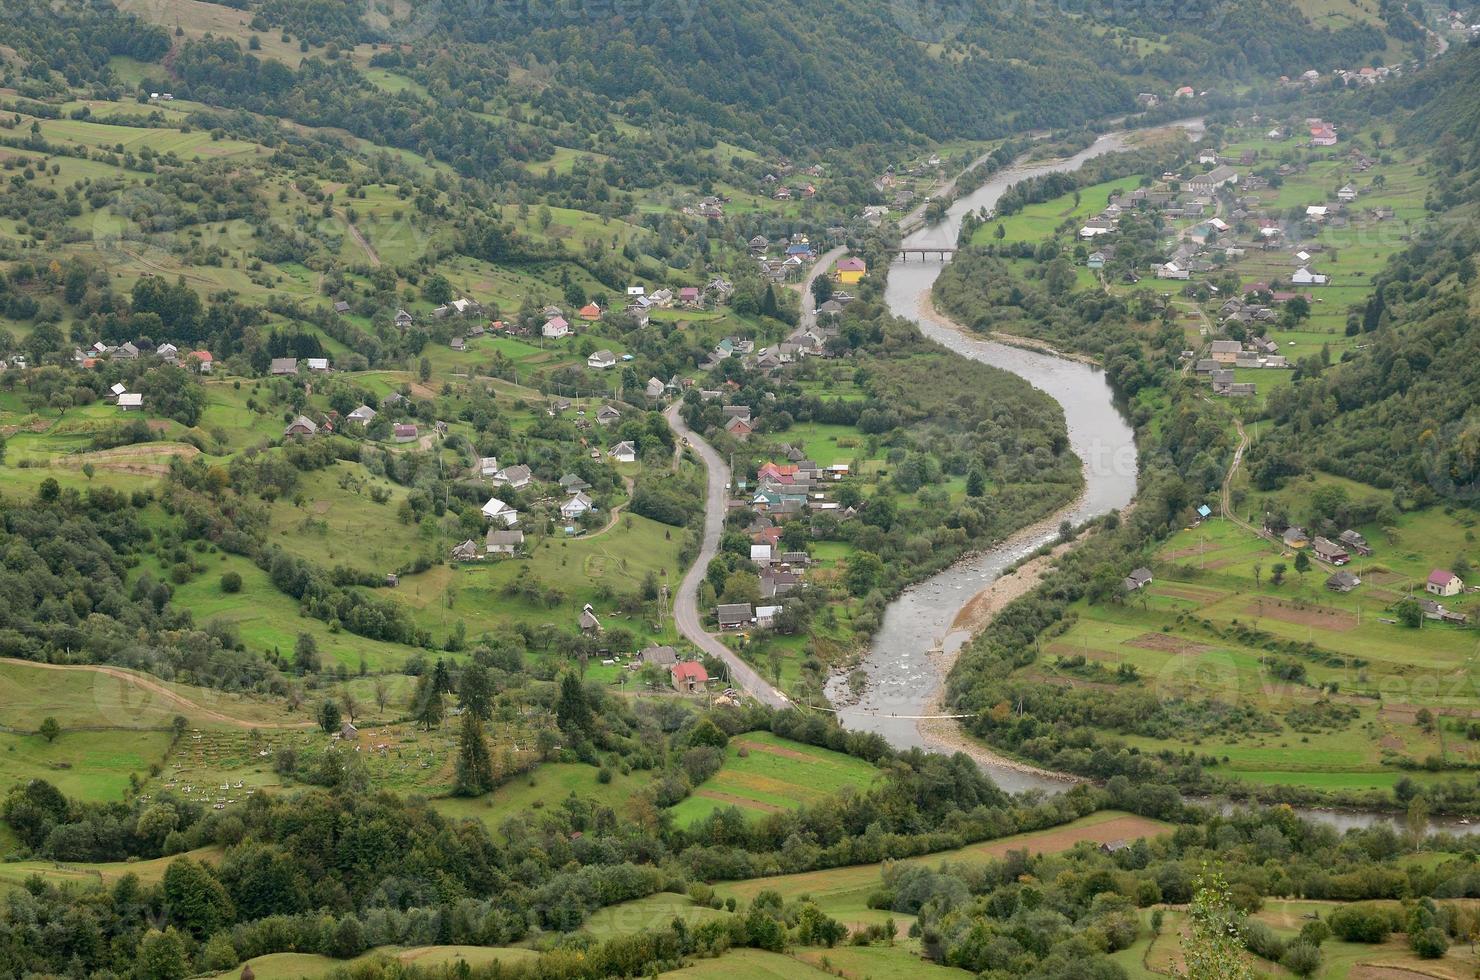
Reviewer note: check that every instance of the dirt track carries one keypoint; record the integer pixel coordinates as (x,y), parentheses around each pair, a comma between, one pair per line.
(155,687)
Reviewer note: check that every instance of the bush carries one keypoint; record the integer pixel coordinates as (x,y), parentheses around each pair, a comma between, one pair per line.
(1430,943)
(231,582)
(1301,958)
(1360,924)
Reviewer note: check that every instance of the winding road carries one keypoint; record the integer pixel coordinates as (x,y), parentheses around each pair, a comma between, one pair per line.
(686,602)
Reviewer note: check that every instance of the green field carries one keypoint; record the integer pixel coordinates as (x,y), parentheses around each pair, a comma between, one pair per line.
(546,786)
(843,892)
(305,966)
(1206,628)
(772,775)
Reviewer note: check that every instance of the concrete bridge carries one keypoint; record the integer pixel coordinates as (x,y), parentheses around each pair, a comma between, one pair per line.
(938,253)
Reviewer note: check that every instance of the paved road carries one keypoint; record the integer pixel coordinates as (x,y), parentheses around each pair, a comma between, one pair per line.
(824,262)
(686,602)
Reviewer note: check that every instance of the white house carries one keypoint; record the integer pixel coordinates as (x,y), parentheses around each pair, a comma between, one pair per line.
(1304,277)
(1445,583)
(320,364)
(1317,211)
(760,554)
(488,467)
(515,477)
(576,505)
(364,415)
(623,452)
(602,359)
(498,511)
(555,328)
(1347,194)
(130,401)
(1171,270)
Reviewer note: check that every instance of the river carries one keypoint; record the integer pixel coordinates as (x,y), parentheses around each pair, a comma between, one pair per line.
(903,678)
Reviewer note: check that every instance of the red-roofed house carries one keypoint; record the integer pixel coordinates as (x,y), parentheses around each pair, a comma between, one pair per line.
(689,295)
(590,312)
(778,472)
(689,676)
(202,359)
(768,535)
(1444,583)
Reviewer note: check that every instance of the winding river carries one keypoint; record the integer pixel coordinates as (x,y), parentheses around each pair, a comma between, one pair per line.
(903,677)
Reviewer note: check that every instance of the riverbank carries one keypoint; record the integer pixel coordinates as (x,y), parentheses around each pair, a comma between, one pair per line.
(927,308)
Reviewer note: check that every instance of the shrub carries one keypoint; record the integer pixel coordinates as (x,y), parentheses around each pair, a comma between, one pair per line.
(1301,958)
(231,582)
(1360,924)
(1430,943)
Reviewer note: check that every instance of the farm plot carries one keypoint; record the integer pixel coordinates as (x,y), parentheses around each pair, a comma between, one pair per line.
(766,774)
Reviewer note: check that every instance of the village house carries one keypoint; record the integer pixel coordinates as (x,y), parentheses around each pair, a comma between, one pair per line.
(601,360)
(1226,351)
(589,312)
(125,351)
(589,622)
(1295,537)
(851,270)
(689,677)
(607,415)
(1138,579)
(301,426)
(778,582)
(571,483)
(739,428)
(734,616)
(404,319)
(576,506)
(760,554)
(658,656)
(168,352)
(514,477)
(467,551)
(1444,583)
(654,389)
(623,452)
(458,344)
(488,467)
(341,307)
(1304,277)
(283,366)
(1343,582)
(555,328)
(1355,542)
(131,401)
(404,432)
(1329,551)
(201,360)
(1212,180)
(499,512)
(1322,134)
(505,542)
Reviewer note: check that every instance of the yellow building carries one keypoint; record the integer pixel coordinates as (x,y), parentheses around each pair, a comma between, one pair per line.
(851,270)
